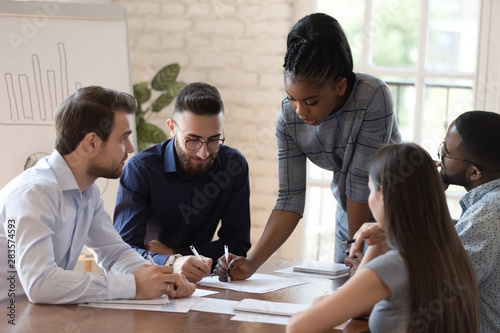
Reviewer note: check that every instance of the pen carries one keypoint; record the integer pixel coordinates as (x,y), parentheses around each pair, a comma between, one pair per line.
(350,241)
(226,252)
(196,253)
(151,261)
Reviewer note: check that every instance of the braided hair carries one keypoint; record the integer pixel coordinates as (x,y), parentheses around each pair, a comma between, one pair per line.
(317,49)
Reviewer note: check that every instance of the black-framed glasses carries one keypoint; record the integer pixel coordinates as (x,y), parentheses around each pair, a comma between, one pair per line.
(195,144)
(442,149)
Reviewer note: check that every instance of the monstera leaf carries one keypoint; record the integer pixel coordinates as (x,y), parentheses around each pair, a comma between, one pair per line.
(142,93)
(165,77)
(165,82)
(168,96)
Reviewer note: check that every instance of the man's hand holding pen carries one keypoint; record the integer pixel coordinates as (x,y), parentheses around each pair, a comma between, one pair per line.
(192,268)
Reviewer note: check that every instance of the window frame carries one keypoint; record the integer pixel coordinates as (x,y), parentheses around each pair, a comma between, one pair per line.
(485,87)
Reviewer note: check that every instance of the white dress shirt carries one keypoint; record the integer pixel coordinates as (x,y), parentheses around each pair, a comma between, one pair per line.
(46,220)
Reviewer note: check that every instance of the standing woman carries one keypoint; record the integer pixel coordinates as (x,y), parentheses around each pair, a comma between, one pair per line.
(335,118)
(425,282)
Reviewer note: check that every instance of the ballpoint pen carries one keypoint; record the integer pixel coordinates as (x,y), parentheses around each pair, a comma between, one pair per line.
(151,261)
(226,252)
(197,255)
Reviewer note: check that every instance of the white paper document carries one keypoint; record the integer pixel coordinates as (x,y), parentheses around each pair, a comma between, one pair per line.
(214,305)
(163,300)
(268,307)
(124,306)
(179,305)
(270,319)
(260,318)
(257,283)
(203,292)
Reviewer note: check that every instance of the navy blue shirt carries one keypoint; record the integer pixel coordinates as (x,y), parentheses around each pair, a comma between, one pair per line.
(158,200)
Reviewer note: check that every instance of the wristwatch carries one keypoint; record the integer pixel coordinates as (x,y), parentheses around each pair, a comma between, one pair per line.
(171,259)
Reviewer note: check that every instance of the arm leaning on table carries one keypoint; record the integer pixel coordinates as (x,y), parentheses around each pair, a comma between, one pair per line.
(358,295)
(114,255)
(48,247)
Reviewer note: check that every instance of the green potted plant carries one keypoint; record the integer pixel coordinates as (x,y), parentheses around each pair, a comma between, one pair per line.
(165,82)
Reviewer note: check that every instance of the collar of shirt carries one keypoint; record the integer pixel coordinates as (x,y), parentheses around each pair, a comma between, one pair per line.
(65,177)
(476,194)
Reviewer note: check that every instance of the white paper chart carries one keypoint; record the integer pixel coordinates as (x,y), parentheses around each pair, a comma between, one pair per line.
(48,51)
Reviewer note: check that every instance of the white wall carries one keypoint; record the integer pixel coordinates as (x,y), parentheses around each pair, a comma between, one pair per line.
(487,94)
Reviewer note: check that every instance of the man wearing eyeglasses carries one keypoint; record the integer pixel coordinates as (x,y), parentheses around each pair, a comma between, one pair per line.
(470,157)
(174,194)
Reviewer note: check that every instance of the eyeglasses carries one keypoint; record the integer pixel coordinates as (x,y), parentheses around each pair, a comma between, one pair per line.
(195,144)
(442,149)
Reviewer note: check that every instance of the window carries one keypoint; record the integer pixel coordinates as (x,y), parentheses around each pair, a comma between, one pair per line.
(426,51)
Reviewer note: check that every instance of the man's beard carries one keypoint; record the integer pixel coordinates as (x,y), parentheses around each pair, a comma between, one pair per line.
(458,179)
(189,167)
(97,169)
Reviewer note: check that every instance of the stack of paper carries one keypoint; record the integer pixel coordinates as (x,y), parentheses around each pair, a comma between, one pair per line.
(163,300)
(271,312)
(156,304)
(267,307)
(257,283)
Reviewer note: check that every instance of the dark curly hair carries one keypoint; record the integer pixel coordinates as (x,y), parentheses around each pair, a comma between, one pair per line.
(318,50)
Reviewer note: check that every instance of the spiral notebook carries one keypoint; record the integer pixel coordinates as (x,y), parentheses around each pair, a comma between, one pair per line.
(321,268)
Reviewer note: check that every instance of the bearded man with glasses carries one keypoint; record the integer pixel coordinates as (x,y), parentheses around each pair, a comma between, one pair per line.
(470,157)
(174,194)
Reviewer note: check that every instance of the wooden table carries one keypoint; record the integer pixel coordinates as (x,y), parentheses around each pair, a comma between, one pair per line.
(77,319)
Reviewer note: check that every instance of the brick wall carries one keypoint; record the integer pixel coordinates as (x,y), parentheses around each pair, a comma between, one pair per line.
(236,45)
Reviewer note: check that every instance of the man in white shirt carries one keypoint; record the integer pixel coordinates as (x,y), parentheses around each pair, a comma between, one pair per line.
(50,211)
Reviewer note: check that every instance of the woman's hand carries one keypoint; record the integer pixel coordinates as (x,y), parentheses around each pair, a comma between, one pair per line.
(369,232)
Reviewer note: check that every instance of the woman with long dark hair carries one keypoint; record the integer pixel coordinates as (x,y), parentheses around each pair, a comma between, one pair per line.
(415,275)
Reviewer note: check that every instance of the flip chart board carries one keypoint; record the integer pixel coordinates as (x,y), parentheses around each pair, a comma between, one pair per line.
(49,49)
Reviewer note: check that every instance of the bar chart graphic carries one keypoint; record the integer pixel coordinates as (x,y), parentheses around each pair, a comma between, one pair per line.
(33,96)
(47,51)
